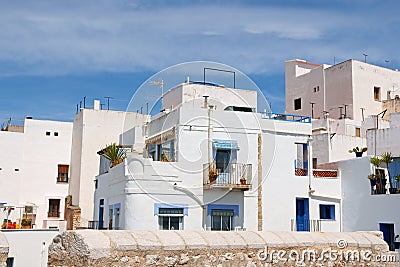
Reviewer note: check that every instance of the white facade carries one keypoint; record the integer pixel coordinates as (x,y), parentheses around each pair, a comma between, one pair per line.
(332,139)
(29,248)
(134,195)
(350,89)
(29,172)
(93,130)
(385,139)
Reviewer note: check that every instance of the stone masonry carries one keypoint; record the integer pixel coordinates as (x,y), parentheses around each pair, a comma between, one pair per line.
(209,248)
(3,250)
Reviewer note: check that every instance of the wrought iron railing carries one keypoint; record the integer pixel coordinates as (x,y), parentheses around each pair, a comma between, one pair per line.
(234,174)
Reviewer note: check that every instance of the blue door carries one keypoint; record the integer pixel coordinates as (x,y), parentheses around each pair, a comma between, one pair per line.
(101,212)
(388,234)
(302,215)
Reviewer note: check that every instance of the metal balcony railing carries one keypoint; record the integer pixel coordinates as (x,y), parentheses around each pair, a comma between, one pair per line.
(305,225)
(93,225)
(235,174)
(286,117)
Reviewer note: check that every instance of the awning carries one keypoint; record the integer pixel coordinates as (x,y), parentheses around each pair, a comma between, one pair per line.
(219,207)
(225,144)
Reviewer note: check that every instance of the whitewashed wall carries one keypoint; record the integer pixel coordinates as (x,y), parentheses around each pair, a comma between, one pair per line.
(36,156)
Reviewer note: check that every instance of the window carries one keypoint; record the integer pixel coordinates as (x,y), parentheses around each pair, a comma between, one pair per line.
(54,208)
(222,219)
(170,218)
(297,104)
(10,262)
(17,170)
(358,131)
(316,89)
(48,133)
(314,162)
(55,133)
(162,152)
(326,212)
(113,216)
(377,93)
(62,176)
(301,161)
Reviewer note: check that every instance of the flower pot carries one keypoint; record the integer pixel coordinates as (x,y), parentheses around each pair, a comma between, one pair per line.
(359,154)
(243,181)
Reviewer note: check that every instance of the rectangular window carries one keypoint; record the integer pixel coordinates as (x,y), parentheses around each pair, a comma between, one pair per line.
(62,176)
(358,132)
(170,218)
(54,208)
(48,133)
(221,219)
(297,104)
(377,93)
(114,216)
(314,162)
(301,161)
(162,152)
(55,133)
(10,262)
(326,212)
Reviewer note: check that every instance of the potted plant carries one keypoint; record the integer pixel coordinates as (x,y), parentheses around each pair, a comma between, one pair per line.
(372,179)
(164,157)
(212,174)
(358,151)
(243,181)
(387,158)
(26,223)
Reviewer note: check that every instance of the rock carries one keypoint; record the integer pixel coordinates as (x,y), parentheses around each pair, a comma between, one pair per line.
(152,259)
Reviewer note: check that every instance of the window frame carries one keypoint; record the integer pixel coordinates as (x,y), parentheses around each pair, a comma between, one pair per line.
(162,216)
(377,93)
(327,212)
(297,104)
(51,213)
(62,176)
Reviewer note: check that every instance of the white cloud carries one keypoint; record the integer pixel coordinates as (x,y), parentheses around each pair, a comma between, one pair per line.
(47,38)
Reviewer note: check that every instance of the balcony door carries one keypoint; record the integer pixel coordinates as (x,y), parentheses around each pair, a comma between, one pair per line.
(388,234)
(302,215)
(222,160)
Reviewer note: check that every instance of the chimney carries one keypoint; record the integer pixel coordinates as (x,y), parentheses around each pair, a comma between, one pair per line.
(96,105)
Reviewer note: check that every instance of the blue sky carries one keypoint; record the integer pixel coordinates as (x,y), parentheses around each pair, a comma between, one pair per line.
(53,53)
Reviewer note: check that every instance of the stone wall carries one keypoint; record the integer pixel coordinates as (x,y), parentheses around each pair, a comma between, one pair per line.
(3,250)
(209,248)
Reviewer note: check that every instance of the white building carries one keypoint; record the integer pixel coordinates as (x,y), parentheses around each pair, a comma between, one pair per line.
(351,89)
(94,129)
(332,139)
(170,187)
(34,172)
(366,205)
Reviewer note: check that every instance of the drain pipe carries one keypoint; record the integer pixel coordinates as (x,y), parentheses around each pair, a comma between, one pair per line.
(310,165)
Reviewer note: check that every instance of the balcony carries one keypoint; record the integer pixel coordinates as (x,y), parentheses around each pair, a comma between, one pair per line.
(383,187)
(305,225)
(236,176)
(286,117)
